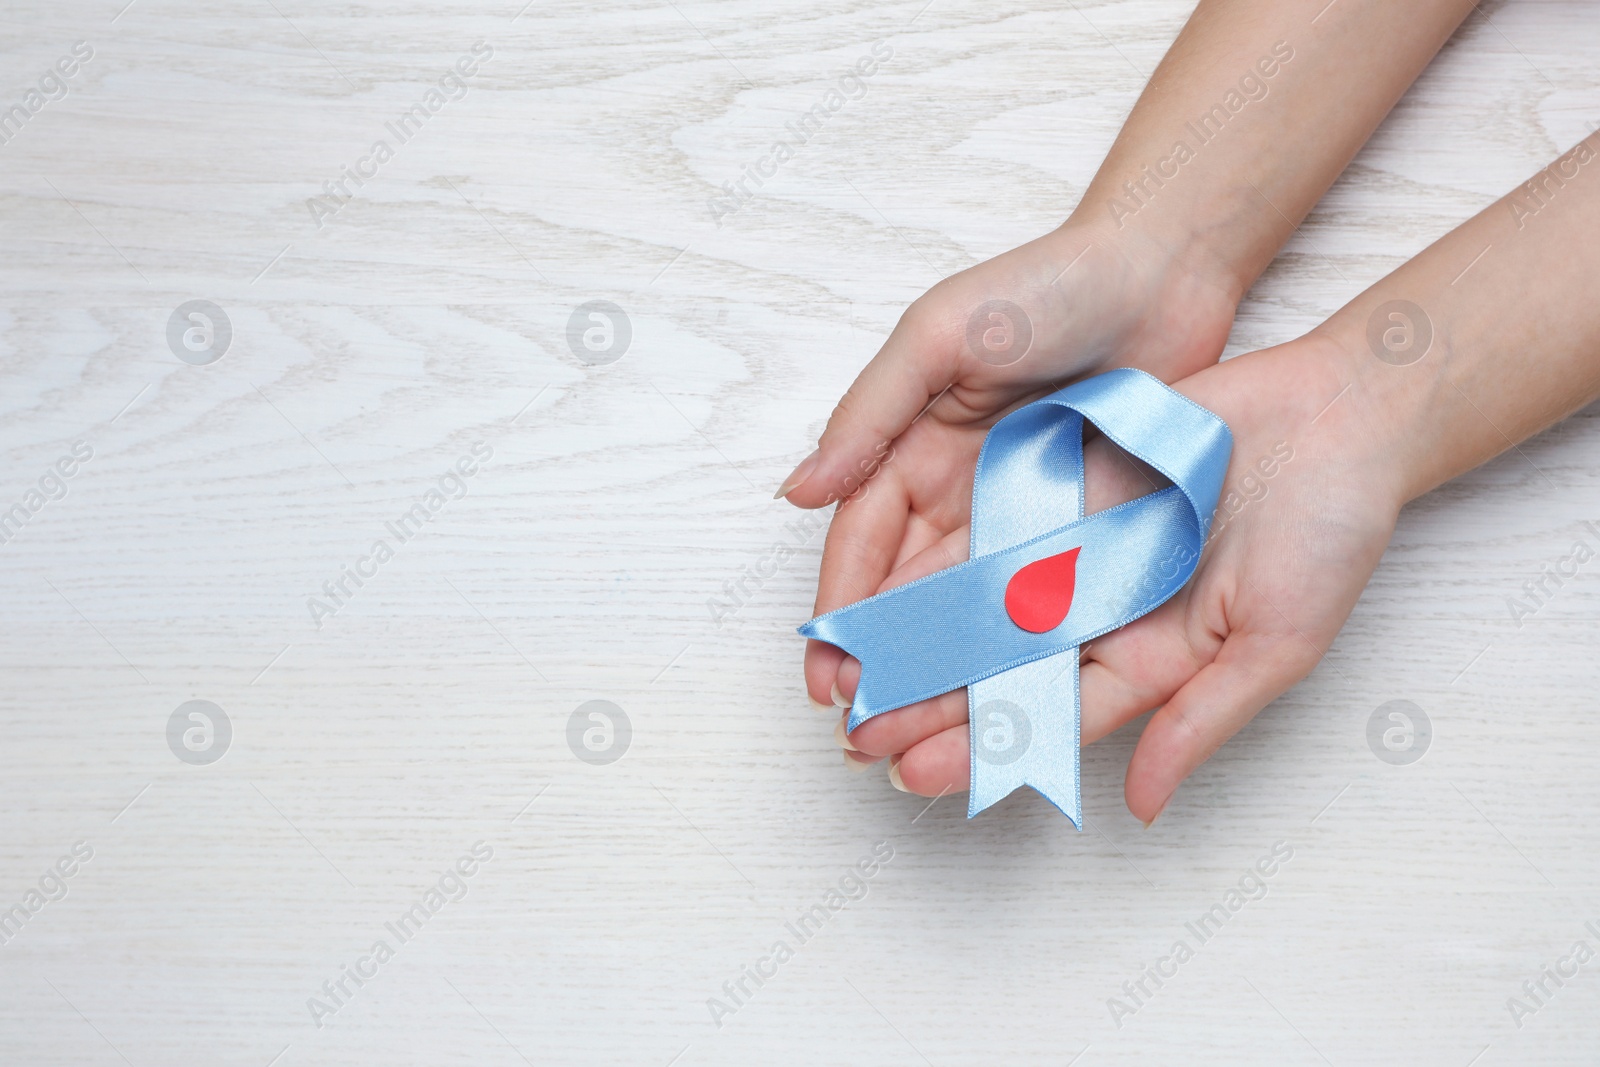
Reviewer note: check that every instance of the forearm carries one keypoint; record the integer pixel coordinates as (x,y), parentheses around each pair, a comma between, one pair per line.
(1509,300)
(1255,110)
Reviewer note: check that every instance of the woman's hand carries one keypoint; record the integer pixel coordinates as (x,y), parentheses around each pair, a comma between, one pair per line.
(1309,505)
(899,451)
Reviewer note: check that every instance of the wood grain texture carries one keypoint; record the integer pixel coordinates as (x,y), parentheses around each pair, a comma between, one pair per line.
(430,314)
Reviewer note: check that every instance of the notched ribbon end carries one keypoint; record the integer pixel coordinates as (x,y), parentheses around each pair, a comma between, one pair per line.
(1064,798)
(864,707)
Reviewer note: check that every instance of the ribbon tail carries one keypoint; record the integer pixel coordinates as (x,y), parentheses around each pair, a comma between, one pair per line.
(1025,731)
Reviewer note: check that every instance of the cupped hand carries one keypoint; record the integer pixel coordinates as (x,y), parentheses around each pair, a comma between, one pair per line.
(1307,510)
(898,453)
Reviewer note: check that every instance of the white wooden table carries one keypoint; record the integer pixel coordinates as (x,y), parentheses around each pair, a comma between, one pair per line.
(370,748)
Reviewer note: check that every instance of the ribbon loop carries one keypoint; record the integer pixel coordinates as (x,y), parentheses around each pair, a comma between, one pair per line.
(1042,579)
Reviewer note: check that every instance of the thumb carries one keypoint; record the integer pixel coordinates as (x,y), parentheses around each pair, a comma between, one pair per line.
(1249,672)
(913,368)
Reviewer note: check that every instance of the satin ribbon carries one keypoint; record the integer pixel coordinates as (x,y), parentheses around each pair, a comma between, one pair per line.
(959,626)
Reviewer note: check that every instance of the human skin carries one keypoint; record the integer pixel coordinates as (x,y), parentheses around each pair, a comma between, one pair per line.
(1153,283)
(1515,347)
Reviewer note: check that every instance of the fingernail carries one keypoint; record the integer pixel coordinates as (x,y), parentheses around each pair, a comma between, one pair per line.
(842,736)
(825,708)
(856,766)
(1159,810)
(894,777)
(839,699)
(798,475)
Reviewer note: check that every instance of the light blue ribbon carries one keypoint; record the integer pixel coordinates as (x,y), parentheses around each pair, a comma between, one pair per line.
(951,629)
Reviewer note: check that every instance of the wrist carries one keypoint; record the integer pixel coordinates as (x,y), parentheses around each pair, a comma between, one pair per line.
(1173,305)
(1306,395)
(1185,240)
(1378,395)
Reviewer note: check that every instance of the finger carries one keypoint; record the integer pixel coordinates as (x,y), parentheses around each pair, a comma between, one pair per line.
(1138,668)
(854,758)
(921,534)
(821,668)
(862,543)
(912,368)
(937,766)
(904,728)
(1110,701)
(1250,671)
(844,688)
(954,547)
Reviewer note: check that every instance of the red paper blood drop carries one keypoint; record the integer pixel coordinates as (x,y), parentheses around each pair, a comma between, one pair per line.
(1039,595)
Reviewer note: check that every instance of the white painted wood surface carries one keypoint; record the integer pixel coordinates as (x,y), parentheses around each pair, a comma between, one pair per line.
(431,712)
